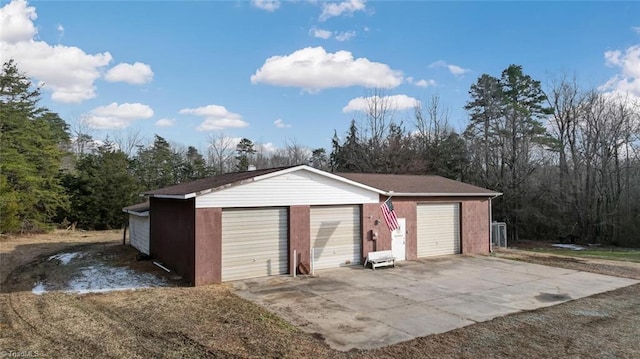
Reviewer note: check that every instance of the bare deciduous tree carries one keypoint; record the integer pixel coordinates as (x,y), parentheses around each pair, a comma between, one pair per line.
(597,148)
(378,116)
(81,136)
(221,152)
(129,141)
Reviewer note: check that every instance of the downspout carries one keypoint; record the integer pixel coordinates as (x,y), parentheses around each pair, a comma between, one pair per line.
(491,222)
(490,226)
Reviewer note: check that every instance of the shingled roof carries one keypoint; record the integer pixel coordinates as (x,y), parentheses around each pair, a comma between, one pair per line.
(400,185)
(208,183)
(137,208)
(417,185)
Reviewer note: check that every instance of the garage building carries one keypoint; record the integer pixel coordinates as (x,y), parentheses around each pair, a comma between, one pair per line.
(248,224)
(139,226)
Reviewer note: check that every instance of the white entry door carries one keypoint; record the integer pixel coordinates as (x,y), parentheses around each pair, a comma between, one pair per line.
(398,240)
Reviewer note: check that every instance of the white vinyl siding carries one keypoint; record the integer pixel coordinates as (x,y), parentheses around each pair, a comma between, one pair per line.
(438,229)
(139,232)
(335,236)
(254,243)
(289,189)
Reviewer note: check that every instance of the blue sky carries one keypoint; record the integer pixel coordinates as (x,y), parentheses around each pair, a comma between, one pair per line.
(278,71)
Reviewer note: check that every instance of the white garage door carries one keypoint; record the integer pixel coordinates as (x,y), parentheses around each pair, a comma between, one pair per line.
(438,229)
(254,243)
(335,236)
(139,232)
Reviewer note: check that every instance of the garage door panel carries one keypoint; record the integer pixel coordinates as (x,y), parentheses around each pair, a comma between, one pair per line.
(254,243)
(261,253)
(438,229)
(335,236)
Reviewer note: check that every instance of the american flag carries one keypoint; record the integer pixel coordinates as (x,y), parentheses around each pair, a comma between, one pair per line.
(389,215)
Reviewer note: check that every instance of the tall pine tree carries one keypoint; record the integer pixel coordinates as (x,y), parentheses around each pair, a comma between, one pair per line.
(158,165)
(31,148)
(101,185)
(504,132)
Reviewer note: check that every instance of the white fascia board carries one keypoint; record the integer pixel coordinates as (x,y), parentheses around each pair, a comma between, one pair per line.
(174,196)
(396,194)
(321,173)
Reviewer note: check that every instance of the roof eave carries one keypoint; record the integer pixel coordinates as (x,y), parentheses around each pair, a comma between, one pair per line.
(433,194)
(173,196)
(208,190)
(136,213)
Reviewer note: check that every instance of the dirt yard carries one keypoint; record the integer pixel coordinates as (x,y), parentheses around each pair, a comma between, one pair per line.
(211,322)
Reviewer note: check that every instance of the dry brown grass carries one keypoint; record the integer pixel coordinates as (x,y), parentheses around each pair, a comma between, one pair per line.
(594,265)
(212,322)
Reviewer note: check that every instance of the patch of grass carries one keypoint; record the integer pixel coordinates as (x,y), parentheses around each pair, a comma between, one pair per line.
(276,320)
(618,255)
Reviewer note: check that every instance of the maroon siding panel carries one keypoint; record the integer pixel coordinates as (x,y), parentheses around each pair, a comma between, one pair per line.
(300,234)
(474,218)
(172,232)
(371,214)
(208,265)
(475,226)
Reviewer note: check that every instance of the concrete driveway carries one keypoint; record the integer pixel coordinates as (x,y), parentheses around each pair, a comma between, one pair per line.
(355,307)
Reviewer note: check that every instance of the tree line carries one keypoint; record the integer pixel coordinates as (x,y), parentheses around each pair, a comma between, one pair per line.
(53,173)
(565,158)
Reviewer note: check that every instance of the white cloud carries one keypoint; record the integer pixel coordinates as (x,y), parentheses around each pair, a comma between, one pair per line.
(280,124)
(628,80)
(60,29)
(344,36)
(165,122)
(212,124)
(115,116)
(67,71)
(313,69)
(16,22)
(268,147)
(612,58)
(326,34)
(453,69)
(395,102)
(215,118)
(636,29)
(267,5)
(425,83)
(457,70)
(347,7)
(228,141)
(320,33)
(136,74)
